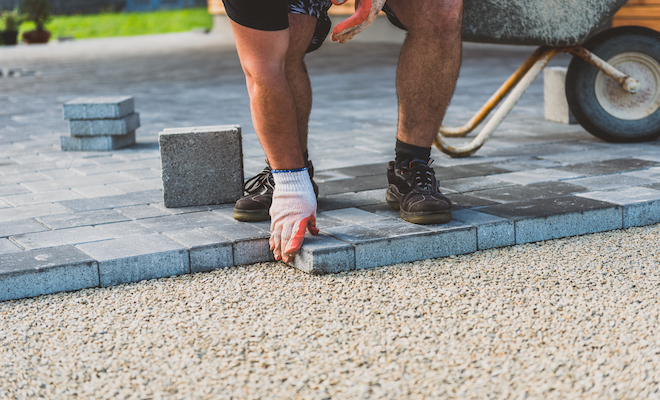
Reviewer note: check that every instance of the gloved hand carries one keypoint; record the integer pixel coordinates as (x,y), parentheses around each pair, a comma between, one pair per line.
(292,212)
(366,12)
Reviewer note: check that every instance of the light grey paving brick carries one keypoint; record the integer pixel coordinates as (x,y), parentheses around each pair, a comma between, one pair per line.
(43,197)
(536,176)
(641,206)
(31,211)
(612,181)
(19,227)
(651,173)
(6,247)
(4,204)
(16,178)
(138,186)
(104,127)
(390,242)
(118,166)
(62,237)
(97,143)
(6,190)
(87,218)
(120,230)
(141,212)
(61,173)
(194,220)
(99,203)
(353,215)
(99,107)
(492,231)
(38,272)
(138,174)
(569,224)
(201,165)
(96,191)
(250,241)
(208,251)
(137,258)
(323,254)
(75,182)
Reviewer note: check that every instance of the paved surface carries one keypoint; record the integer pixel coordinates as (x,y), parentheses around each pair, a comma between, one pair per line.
(573,318)
(70,220)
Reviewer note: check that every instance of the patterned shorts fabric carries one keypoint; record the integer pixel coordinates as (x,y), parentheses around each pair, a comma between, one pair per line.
(319,10)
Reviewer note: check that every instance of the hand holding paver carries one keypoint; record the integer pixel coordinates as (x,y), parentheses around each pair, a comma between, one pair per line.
(366,12)
(292,213)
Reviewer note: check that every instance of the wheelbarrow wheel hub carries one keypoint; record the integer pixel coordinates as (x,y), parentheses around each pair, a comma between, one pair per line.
(627,106)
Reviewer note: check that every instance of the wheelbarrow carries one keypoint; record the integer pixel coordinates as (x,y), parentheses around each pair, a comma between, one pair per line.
(612,83)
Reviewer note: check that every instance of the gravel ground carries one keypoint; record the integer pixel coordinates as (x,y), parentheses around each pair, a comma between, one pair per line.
(571,318)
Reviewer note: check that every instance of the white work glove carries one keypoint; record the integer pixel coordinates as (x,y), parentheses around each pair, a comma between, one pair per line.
(292,212)
(366,12)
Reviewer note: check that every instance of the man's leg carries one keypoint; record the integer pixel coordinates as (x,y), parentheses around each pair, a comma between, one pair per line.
(426,77)
(301,28)
(428,65)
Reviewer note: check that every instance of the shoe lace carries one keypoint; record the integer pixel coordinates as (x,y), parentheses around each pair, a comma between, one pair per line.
(423,174)
(260,183)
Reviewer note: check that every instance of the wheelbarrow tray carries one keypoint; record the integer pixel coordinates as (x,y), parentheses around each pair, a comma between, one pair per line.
(535,22)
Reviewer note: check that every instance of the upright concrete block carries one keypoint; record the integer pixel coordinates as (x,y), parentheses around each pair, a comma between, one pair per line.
(201,166)
(554,96)
(99,107)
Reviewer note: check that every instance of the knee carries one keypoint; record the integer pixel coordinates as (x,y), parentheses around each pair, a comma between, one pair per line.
(263,73)
(437,19)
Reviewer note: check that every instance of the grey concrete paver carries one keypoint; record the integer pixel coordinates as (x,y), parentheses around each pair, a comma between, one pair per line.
(507,193)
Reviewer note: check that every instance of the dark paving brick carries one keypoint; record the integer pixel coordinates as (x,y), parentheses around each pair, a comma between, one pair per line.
(344,200)
(528,192)
(358,184)
(539,149)
(459,201)
(468,171)
(363,170)
(99,203)
(609,166)
(539,208)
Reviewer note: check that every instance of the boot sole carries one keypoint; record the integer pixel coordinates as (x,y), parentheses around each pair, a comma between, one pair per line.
(420,217)
(251,215)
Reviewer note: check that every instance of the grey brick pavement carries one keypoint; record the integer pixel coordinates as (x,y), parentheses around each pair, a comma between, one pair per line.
(74,220)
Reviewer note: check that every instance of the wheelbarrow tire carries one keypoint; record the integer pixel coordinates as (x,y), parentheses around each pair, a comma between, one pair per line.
(600,117)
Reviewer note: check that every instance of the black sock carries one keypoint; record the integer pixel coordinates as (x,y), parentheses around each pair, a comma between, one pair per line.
(405,151)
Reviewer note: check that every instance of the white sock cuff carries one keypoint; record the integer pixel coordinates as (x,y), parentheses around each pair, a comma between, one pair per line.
(292,181)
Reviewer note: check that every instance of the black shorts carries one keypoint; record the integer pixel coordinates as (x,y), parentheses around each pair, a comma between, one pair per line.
(272,15)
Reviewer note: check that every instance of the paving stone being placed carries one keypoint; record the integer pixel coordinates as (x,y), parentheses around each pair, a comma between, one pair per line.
(97,143)
(641,206)
(61,237)
(545,219)
(105,127)
(202,165)
(45,271)
(137,258)
(208,251)
(99,107)
(323,254)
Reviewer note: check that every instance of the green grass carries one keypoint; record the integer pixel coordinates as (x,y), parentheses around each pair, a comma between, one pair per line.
(126,24)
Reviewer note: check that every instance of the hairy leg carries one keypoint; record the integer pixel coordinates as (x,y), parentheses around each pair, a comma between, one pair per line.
(301,31)
(262,55)
(428,65)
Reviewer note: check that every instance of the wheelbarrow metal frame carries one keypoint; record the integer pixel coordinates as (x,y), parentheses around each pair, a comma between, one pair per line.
(515,87)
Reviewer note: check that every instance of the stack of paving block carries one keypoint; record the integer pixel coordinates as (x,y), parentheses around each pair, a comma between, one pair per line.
(100,123)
